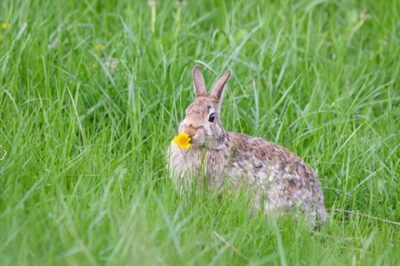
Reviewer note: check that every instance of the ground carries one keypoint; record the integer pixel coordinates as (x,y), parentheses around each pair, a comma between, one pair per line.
(91,93)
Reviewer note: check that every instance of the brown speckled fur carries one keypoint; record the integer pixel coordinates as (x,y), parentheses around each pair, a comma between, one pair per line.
(278,179)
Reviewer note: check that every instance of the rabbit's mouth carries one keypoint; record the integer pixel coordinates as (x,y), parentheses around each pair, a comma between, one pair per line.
(198,141)
(203,143)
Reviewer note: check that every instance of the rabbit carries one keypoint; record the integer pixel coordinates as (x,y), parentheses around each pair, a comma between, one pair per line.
(280,181)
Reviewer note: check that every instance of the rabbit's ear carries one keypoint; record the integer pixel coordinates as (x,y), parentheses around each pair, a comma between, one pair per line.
(219,86)
(199,84)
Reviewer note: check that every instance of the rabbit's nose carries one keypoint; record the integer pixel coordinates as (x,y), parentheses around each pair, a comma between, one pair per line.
(191,131)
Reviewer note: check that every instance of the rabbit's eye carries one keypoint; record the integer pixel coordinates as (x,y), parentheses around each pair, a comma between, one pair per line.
(211,118)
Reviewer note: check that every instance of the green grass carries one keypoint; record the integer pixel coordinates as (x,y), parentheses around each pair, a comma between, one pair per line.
(83,178)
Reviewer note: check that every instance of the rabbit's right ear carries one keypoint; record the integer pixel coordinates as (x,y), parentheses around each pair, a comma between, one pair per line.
(199,84)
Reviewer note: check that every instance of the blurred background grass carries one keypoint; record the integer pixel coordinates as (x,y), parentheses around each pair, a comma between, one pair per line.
(91,93)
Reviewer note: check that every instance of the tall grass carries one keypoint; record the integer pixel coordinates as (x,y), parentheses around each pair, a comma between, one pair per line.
(91,93)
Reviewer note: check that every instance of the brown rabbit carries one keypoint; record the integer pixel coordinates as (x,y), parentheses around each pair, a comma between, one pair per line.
(278,179)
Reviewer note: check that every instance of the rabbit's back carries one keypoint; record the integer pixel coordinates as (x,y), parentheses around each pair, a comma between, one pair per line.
(280,180)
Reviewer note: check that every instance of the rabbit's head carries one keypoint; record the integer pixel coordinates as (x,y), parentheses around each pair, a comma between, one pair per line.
(202,122)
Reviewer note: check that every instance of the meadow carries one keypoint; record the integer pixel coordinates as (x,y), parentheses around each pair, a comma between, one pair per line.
(91,93)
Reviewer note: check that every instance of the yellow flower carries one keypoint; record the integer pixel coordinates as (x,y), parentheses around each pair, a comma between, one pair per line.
(4,25)
(99,47)
(183,140)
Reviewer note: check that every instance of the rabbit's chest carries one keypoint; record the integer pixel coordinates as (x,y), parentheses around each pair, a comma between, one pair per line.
(197,162)
(184,162)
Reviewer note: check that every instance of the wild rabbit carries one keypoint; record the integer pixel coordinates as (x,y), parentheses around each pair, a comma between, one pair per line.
(278,179)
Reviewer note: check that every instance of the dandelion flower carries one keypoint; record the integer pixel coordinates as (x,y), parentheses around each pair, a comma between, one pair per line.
(99,47)
(4,25)
(182,140)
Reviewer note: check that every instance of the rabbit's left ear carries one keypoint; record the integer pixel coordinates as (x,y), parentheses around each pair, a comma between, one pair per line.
(217,92)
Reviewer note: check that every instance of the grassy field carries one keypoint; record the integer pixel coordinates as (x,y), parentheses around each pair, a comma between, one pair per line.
(91,93)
